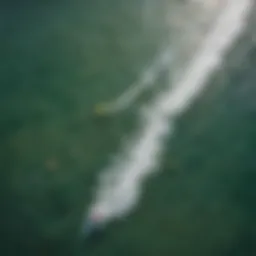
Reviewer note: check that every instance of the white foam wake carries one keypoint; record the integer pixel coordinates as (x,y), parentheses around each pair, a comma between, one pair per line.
(120,185)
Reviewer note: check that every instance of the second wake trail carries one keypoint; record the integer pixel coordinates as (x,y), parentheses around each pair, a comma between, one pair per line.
(145,82)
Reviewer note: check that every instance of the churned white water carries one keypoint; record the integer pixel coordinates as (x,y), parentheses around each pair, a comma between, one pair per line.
(120,184)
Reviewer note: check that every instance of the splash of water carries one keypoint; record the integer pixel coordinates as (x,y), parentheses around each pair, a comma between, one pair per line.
(120,186)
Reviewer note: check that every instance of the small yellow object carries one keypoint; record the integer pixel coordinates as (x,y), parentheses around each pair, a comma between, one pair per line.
(100,109)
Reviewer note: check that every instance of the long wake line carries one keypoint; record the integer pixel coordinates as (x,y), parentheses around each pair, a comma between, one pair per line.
(120,185)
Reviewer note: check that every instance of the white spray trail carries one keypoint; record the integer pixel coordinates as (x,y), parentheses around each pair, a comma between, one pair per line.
(121,184)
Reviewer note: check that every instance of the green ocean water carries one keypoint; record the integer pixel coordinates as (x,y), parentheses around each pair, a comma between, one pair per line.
(59,59)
